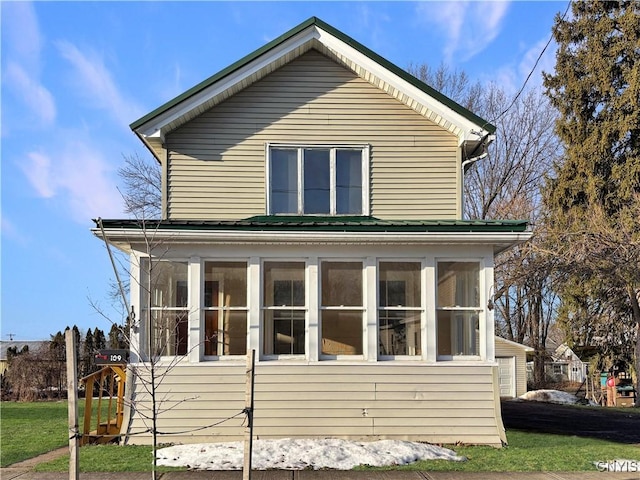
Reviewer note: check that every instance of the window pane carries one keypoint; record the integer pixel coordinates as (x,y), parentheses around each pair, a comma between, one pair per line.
(225,287)
(317,181)
(168,283)
(284,328)
(458,284)
(399,284)
(349,181)
(169,332)
(225,284)
(285,332)
(399,332)
(284,284)
(341,284)
(341,332)
(284,180)
(457,333)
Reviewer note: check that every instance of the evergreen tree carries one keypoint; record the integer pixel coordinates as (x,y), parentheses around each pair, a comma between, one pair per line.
(593,199)
(99,340)
(88,349)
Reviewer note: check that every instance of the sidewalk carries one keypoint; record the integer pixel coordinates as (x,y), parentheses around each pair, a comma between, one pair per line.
(23,474)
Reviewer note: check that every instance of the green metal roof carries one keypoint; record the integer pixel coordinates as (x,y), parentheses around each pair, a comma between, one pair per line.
(343,37)
(326,224)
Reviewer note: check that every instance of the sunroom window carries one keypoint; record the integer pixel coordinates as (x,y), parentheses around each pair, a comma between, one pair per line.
(225,308)
(399,310)
(341,308)
(458,309)
(164,306)
(318,180)
(284,308)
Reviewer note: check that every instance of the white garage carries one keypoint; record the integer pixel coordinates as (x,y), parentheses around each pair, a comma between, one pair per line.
(511,358)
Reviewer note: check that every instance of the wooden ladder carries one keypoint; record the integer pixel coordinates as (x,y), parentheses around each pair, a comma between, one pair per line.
(110,382)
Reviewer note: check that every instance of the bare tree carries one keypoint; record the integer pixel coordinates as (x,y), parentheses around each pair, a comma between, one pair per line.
(142,182)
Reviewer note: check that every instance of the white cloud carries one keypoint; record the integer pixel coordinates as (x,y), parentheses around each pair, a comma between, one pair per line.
(23,38)
(9,230)
(79,177)
(23,43)
(94,80)
(33,94)
(468,27)
(37,169)
(546,63)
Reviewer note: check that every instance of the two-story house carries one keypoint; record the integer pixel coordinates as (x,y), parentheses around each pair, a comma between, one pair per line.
(312,211)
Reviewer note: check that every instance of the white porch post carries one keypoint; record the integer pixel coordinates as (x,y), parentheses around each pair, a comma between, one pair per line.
(195,343)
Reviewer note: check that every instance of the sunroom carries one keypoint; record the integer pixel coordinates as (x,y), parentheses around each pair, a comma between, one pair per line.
(324,289)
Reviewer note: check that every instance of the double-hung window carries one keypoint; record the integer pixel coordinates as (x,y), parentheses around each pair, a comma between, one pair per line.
(164,305)
(341,308)
(318,180)
(225,308)
(458,309)
(284,308)
(399,309)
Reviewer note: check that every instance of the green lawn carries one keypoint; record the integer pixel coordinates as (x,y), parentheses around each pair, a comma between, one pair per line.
(29,429)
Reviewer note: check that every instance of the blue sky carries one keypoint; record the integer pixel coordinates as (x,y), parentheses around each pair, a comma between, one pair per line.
(76,74)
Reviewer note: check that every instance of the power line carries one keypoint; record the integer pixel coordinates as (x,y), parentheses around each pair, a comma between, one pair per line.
(535,65)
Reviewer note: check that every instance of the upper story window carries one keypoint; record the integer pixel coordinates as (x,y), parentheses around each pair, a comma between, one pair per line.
(318,180)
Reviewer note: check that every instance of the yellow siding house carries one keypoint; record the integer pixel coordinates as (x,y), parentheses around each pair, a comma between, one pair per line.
(312,212)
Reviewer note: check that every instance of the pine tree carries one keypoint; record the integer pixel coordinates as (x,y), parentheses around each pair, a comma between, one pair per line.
(88,349)
(593,197)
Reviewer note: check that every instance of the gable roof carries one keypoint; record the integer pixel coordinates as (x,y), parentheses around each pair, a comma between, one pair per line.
(313,33)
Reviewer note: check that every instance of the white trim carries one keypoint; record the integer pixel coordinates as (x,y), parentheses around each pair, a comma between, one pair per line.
(261,66)
(123,238)
(365,154)
(441,111)
(157,125)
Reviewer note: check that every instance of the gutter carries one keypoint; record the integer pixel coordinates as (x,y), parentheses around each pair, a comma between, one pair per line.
(483,144)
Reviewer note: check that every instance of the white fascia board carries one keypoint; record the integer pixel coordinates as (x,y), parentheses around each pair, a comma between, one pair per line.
(154,127)
(402,85)
(498,239)
(515,344)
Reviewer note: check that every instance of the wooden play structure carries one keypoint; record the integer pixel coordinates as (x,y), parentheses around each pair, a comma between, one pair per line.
(104,404)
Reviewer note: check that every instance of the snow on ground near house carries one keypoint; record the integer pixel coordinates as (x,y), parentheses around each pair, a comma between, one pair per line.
(299,454)
(552,396)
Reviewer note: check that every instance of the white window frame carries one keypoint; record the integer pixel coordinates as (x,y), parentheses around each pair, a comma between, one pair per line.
(264,331)
(421,309)
(146,303)
(478,310)
(332,147)
(351,308)
(221,309)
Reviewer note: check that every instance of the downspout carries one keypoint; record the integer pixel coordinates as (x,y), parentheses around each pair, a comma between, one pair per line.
(486,140)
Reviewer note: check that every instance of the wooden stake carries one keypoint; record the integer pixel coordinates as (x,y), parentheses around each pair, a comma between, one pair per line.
(248,408)
(72,397)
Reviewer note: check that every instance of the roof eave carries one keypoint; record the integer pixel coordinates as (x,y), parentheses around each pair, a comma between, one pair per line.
(312,29)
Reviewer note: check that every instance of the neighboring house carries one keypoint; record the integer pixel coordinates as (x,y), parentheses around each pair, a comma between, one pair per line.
(562,365)
(512,367)
(312,211)
(31,346)
(566,365)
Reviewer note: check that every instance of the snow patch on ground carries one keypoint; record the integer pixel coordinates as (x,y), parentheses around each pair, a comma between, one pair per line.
(552,396)
(300,454)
